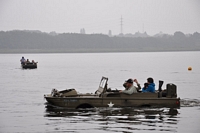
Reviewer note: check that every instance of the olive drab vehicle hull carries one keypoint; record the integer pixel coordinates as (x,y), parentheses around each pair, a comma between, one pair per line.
(104,97)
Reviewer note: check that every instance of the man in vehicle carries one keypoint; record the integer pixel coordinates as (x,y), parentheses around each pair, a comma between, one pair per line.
(130,88)
(150,87)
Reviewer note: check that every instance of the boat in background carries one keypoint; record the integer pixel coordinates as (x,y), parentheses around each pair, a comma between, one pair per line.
(29,65)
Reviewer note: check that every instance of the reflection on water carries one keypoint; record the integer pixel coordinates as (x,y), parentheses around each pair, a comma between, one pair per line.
(118,119)
(115,119)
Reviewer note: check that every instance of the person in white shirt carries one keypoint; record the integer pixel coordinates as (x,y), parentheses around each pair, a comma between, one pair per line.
(130,88)
(23,60)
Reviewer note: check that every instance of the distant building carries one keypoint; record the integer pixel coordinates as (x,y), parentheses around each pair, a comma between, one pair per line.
(161,34)
(121,35)
(53,33)
(138,34)
(109,33)
(82,31)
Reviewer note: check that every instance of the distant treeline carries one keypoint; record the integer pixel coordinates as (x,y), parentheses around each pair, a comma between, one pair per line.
(39,42)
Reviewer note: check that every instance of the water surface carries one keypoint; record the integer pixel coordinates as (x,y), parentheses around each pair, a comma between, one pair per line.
(22,106)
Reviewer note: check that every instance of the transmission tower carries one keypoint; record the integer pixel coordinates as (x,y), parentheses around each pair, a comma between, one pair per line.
(121,24)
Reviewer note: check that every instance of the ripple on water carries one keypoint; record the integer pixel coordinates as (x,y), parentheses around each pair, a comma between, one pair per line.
(190,102)
(116,119)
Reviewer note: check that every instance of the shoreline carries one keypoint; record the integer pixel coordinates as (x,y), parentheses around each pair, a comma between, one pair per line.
(88,51)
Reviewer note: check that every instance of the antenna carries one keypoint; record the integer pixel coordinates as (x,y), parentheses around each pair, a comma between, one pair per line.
(121,23)
(143,27)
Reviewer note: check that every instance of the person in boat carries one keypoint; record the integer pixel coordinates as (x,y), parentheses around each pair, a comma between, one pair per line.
(150,87)
(27,61)
(129,87)
(136,81)
(23,60)
(145,86)
(33,62)
(138,85)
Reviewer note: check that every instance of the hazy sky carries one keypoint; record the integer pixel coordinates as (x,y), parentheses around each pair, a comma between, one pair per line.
(100,16)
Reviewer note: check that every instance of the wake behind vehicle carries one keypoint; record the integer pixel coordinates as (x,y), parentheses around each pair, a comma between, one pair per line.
(104,97)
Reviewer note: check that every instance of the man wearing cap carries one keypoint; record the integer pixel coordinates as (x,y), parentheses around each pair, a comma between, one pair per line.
(130,89)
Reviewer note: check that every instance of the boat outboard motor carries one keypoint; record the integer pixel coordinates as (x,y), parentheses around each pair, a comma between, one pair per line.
(160,93)
(171,90)
(160,85)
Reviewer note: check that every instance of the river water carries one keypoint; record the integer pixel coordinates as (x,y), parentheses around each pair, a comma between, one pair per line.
(22,106)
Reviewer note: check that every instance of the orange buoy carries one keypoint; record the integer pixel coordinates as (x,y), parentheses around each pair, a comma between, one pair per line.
(189,68)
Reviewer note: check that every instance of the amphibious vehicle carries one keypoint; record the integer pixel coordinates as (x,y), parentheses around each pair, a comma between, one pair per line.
(105,97)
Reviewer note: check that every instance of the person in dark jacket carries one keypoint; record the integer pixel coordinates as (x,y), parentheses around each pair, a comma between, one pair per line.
(145,86)
(150,87)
